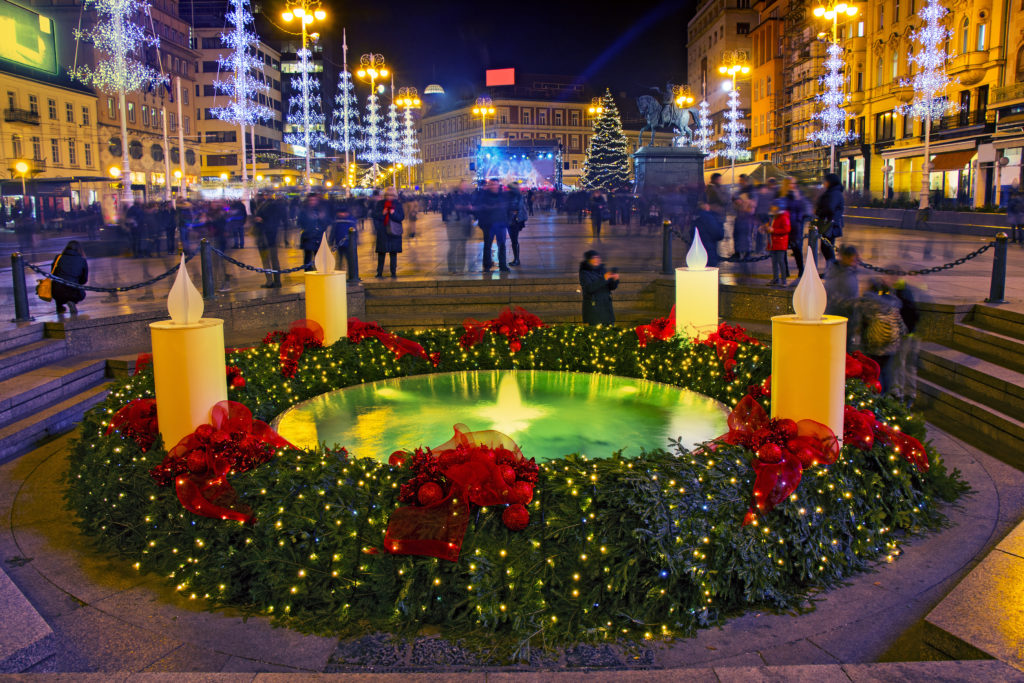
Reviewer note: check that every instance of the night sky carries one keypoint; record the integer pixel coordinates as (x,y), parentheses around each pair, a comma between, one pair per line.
(640,45)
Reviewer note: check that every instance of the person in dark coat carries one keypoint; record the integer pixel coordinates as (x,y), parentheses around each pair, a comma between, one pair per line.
(312,223)
(829,210)
(597,285)
(491,209)
(598,205)
(708,225)
(70,265)
(517,215)
(271,216)
(387,217)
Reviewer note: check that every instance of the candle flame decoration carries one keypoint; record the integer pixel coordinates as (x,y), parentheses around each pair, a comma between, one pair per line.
(810,298)
(324,259)
(697,257)
(184,303)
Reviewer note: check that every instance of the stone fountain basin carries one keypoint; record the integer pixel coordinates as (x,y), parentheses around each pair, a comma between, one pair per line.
(550,414)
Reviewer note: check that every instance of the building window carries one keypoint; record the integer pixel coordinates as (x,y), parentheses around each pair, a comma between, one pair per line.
(85,116)
(88,154)
(111,110)
(184,94)
(72,156)
(860,27)
(768,87)
(965,36)
(883,127)
(879,72)
(542,117)
(145,115)
(69,112)
(742,29)
(860,81)
(185,125)
(881,16)
(37,148)
(981,37)
(55,151)
(16,145)
(526,116)
(11,101)
(574,118)
(559,119)
(33,104)
(51,107)
(908,126)
(131,112)
(896,10)
(895,64)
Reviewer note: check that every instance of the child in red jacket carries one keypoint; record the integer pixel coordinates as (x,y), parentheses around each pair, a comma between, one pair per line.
(779,243)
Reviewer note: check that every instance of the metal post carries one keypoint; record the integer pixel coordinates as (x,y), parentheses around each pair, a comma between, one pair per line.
(666,248)
(813,237)
(206,263)
(998,289)
(353,255)
(21,314)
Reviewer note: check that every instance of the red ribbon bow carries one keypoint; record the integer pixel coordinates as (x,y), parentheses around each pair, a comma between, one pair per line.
(859,366)
(783,448)
(513,325)
(137,421)
(661,329)
(359,330)
(482,468)
(861,429)
(726,340)
(302,334)
(199,463)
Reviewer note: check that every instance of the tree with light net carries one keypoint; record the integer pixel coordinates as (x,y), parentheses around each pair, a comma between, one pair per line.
(831,115)
(242,87)
(119,41)
(305,117)
(606,166)
(704,138)
(345,124)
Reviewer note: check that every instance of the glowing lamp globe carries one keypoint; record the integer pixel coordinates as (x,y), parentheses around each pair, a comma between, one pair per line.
(184,302)
(21,167)
(320,14)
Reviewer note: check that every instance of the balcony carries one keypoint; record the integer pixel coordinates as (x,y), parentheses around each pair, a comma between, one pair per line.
(858,44)
(961,119)
(969,67)
(1010,93)
(15,115)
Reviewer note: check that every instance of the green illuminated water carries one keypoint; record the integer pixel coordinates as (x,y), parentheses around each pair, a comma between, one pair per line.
(549,414)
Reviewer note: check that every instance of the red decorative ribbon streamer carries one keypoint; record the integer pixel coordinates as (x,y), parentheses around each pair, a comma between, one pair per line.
(859,366)
(861,429)
(511,324)
(302,334)
(359,330)
(661,329)
(783,449)
(199,463)
(137,421)
(483,468)
(726,340)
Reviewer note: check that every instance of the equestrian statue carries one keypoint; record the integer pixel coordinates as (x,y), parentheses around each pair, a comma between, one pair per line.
(662,112)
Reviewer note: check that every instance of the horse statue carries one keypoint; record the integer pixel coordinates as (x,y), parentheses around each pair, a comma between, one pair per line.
(667,115)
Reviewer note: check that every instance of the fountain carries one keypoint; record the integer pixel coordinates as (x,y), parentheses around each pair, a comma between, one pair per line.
(549,414)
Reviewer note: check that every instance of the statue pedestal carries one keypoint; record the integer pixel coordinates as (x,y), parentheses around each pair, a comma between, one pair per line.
(659,167)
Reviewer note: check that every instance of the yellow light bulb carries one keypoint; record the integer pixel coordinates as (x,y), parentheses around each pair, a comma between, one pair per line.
(384,72)
(21,167)
(830,15)
(722,70)
(320,15)
(819,11)
(308,19)
(851,11)
(287,16)
(299,12)
(361,73)
(841,7)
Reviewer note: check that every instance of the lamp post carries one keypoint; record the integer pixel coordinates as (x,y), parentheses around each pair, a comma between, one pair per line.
(595,108)
(408,97)
(734,64)
(834,66)
(372,67)
(484,108)
(306,15)
(22,168)
(683,96)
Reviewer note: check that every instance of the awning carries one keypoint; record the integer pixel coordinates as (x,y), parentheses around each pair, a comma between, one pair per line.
(952,161)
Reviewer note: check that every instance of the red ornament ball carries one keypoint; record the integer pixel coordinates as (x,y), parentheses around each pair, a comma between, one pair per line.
(397,459)
(238,382)
(769,453)
(197,462)
(516,517)
(429,493)
(508,473)
(522,492)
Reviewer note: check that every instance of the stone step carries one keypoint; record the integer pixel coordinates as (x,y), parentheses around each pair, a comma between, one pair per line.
(37,389)
(1001,320)
(992,346)
(20,335)
(526,300)
(390,320)
(994,432)
(25,639)
(988,383)
(31,356)
(53,420)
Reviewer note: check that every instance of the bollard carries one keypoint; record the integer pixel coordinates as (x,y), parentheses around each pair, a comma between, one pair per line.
(352,253)
(813,239)
(206,264)
(666,248)
(21,313)
(997,290)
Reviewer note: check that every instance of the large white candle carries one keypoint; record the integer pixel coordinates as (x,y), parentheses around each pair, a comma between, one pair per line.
(696,293)
(326,295)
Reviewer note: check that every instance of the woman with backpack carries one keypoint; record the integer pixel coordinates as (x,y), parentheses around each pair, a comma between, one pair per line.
(882,328)
(387,217)
(72,266)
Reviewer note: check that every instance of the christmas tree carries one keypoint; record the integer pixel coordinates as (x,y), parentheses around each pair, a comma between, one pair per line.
(242,87)
(606,166)
(120,41)
(929,81)
(345,127)
(704,137)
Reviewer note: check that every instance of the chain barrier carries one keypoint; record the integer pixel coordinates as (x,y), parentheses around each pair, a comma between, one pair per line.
(112,290)
(267,271)
(923,271)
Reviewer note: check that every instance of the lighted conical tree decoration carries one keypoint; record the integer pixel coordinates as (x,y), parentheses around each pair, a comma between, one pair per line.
(371,140)
(929,81)
(606,166)
(345,126)
(305,117)
(831,115)
(393,136)
(704,137)
(241,86)
(409,99)
(733,139)
(119,39)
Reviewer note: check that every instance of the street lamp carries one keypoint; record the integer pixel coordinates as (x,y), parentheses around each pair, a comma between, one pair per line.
(305,16)
(683,96)
(833,80)
(22,168)
(734,64)
(372,67)
(484,108)
(409,98)
(595,108)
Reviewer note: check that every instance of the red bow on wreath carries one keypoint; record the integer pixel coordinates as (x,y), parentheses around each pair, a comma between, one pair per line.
(199,463)
(359,330)
(859,366)
(513,325)
(861,429)
(783,448)
(483,468)
(302,334)
(726,340)
(136,421)
(662,329)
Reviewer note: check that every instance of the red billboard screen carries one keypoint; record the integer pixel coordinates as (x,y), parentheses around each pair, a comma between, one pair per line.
(501,77)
